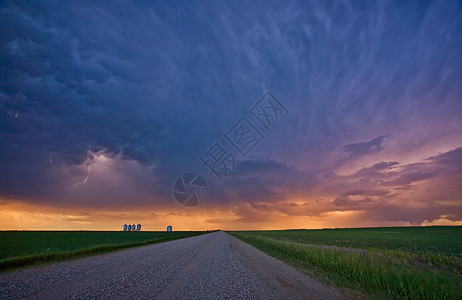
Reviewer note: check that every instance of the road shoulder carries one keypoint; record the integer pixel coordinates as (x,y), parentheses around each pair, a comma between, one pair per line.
(277,273)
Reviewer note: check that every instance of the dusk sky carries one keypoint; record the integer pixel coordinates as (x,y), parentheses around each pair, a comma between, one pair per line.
(104,105)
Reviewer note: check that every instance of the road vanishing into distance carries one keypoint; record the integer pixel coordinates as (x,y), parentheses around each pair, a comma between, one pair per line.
(210,266)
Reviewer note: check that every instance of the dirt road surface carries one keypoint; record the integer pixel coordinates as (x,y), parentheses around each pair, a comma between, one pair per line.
(209,266)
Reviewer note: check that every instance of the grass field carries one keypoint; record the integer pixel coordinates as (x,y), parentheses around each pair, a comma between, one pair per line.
(23,248)
(392,263)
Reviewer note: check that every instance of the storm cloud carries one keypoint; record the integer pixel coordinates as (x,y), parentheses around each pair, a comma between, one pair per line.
(106,104)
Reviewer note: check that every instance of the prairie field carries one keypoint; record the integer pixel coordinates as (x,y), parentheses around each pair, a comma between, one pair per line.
(392,262)
(23,248)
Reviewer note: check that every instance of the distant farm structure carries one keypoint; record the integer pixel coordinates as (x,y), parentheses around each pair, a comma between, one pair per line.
(132,227)
(169,228)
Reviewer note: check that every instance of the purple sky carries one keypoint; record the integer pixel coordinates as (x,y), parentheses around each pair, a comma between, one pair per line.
(104,105)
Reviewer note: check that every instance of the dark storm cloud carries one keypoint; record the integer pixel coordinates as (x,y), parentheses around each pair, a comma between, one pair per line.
(152,85)
(386,194)
(374,169)
(346,201)
(411,177)
(265,180)
(115,79)
(446,166)
(387,197)
(359,149)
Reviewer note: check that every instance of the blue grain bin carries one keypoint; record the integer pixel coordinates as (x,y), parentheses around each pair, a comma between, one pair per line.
(169,228)
(138,227)
(129,227)
(133,227)
(125,227)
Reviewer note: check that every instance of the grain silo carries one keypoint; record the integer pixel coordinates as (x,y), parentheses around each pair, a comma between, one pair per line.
(169,228)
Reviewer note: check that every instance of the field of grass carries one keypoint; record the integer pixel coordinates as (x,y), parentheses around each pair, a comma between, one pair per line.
(392,263)
(23,248)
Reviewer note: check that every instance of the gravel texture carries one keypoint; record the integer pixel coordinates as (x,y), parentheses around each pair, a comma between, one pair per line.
(209,266)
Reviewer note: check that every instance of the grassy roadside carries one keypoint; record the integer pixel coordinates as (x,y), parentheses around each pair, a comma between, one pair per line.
(374,275)
(48,256)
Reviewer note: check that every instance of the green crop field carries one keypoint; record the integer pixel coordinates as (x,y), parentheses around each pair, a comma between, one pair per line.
(23,248)
(392,263)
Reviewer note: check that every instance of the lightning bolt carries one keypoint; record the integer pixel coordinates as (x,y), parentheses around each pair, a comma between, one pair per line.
(98,160)
(9,113)
(88,175)
(108,165)
(105,163)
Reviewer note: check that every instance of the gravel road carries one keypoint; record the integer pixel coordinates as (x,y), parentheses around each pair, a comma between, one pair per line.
(209,266)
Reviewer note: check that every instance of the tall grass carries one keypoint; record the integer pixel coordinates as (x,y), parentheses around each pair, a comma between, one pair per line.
(372,274)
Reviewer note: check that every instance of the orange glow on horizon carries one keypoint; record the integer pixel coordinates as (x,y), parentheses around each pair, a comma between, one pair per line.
(23,216)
